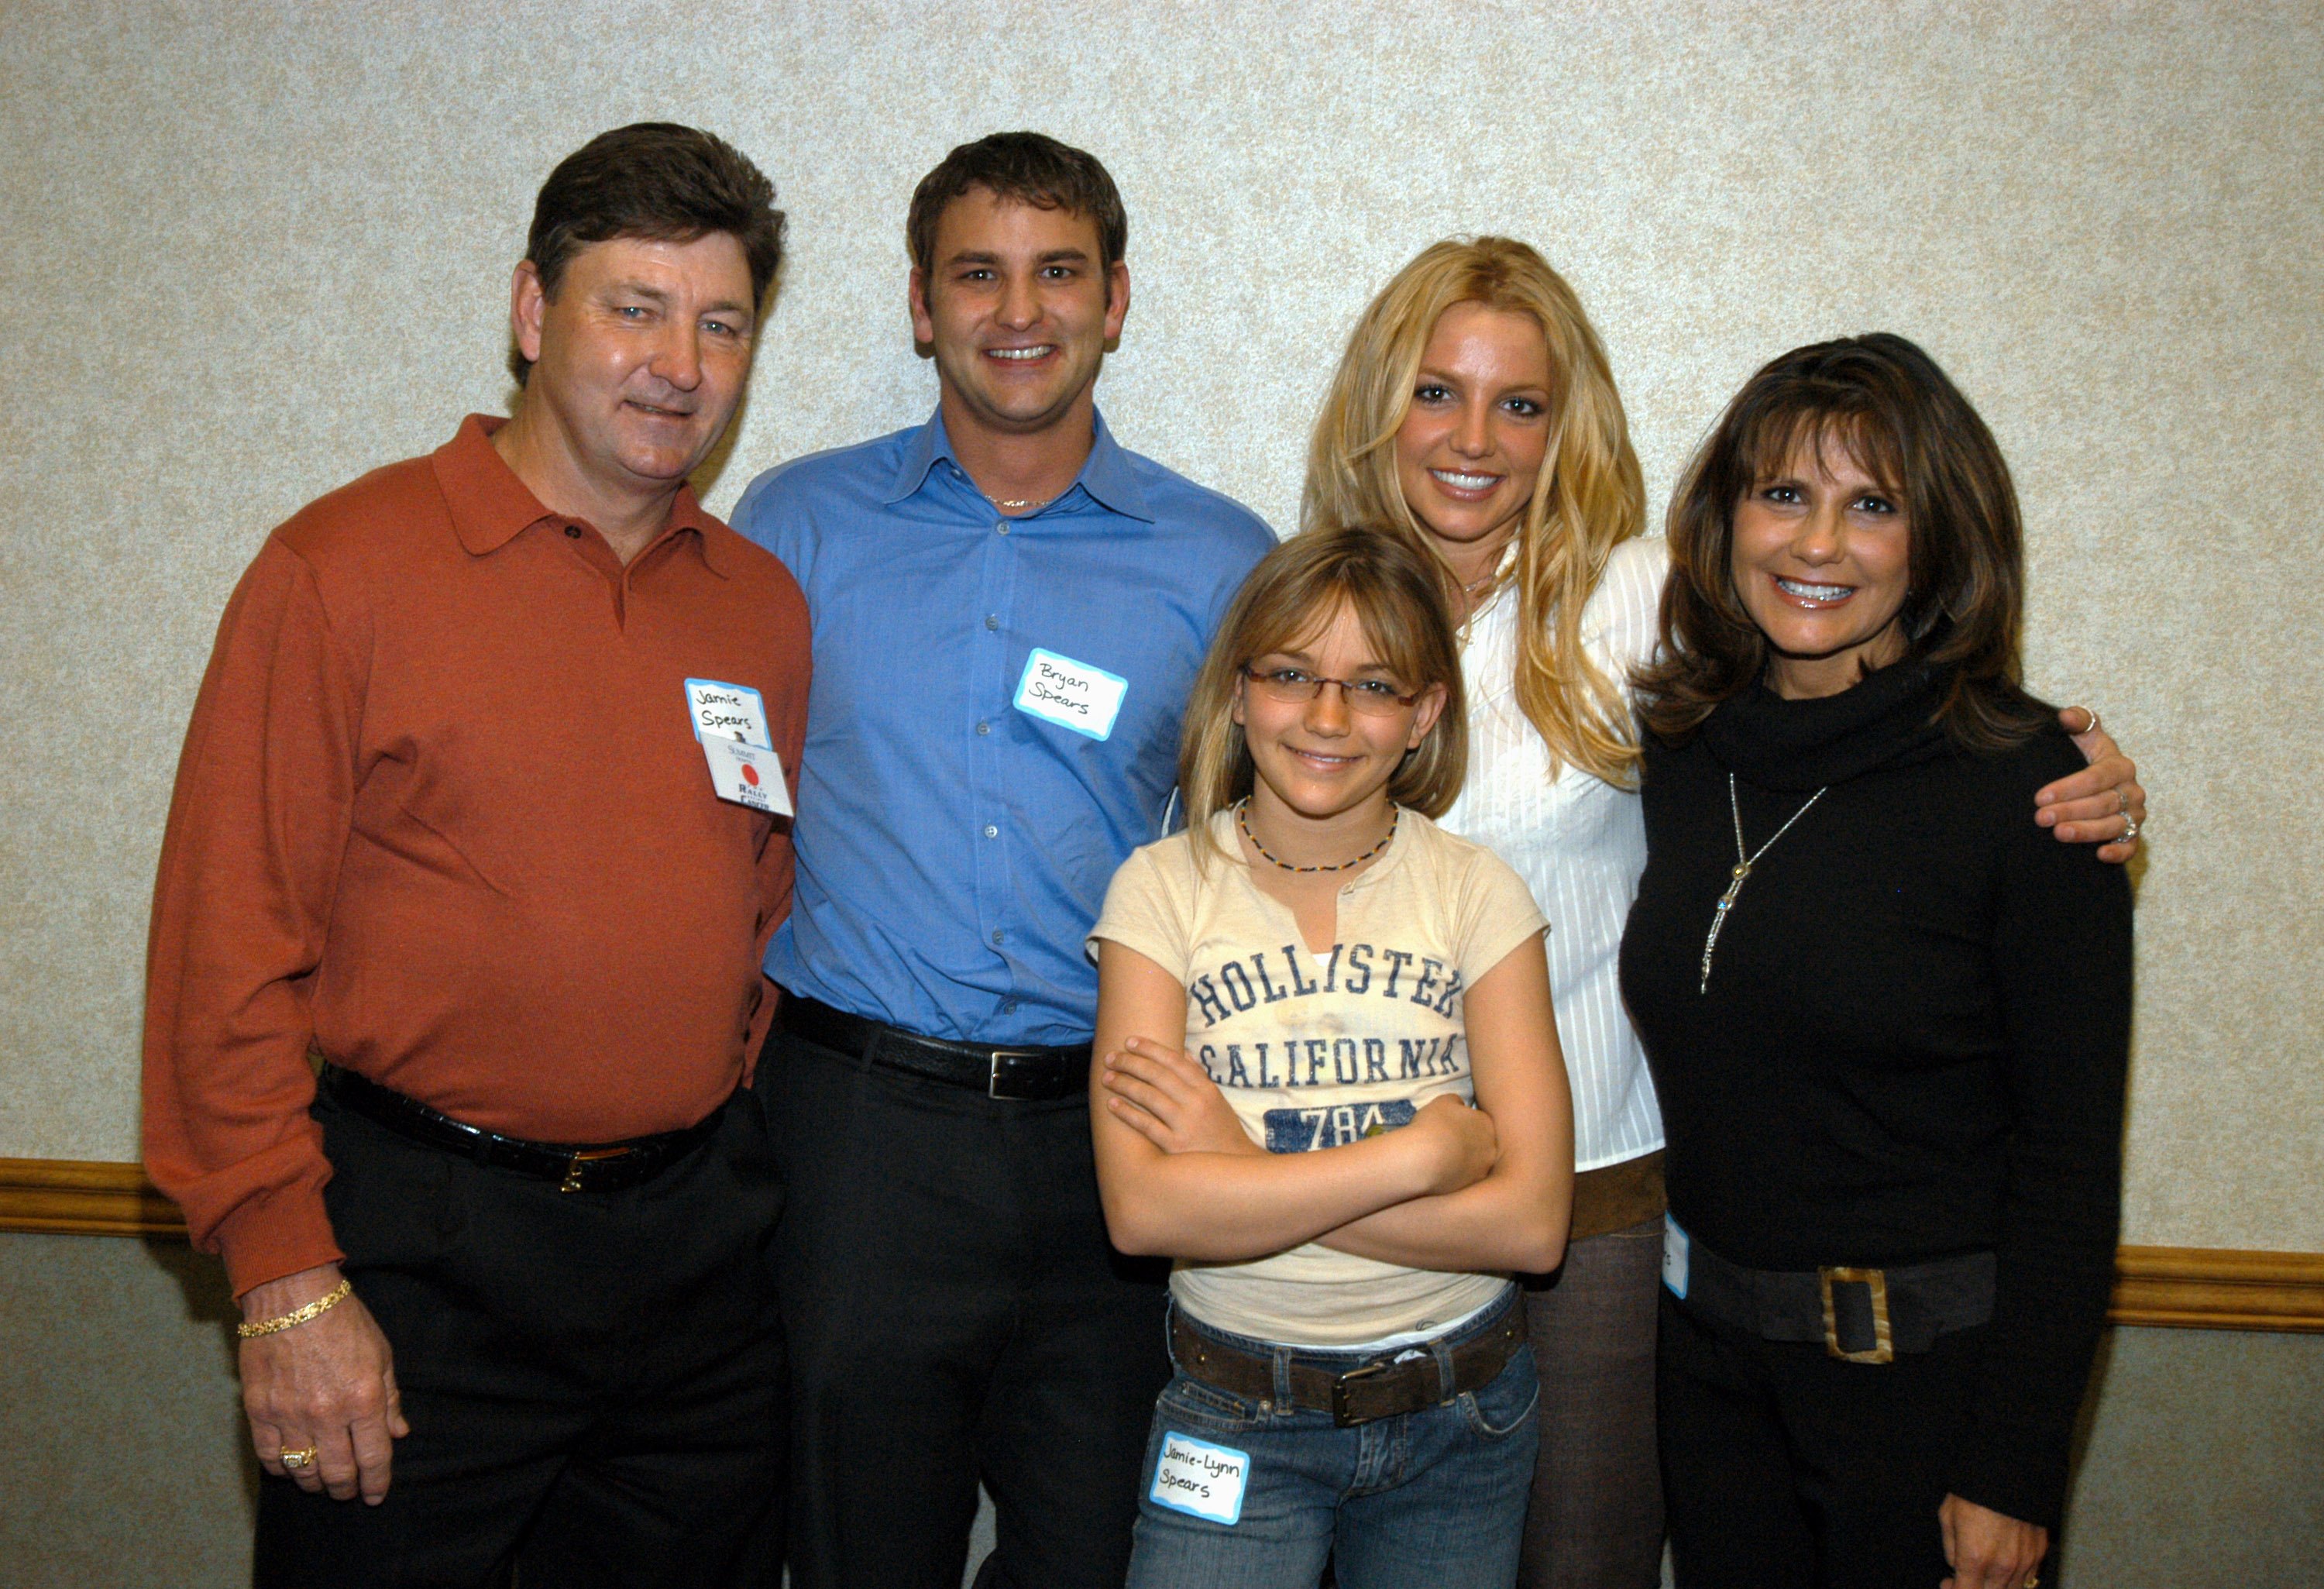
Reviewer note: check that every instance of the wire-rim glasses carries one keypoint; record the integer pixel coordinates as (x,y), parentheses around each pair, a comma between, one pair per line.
(1375,697)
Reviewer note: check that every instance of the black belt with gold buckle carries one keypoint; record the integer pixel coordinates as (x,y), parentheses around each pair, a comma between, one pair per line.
(574,1167)
(1028,1074)
(1860,1314)
(1407,1380)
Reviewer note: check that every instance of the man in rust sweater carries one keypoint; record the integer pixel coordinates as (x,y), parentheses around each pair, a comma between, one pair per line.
(482,812)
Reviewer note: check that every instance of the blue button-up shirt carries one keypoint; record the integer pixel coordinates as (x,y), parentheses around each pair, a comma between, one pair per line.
(954,850)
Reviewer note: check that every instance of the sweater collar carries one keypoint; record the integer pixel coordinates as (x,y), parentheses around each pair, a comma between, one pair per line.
(1889,719)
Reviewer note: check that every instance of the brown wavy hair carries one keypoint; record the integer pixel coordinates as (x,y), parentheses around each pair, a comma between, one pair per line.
(1591,497)
(1395,594)
(1886,404)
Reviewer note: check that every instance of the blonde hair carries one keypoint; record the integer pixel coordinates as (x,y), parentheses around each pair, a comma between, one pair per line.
(1398,601)
(1591,497)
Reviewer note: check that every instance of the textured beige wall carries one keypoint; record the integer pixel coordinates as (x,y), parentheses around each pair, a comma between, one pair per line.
(250,250)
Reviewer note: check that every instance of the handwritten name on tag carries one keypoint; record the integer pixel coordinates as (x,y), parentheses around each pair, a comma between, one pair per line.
(1676,1251)
(1072,695)
(747,775)
(1200,1478)
(727,711)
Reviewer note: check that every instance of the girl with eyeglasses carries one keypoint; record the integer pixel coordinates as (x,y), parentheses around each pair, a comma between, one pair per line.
(1329,1085)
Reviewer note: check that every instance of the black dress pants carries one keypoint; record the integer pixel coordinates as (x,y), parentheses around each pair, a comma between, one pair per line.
(592,1379)
(955,1314)
(1786,1468)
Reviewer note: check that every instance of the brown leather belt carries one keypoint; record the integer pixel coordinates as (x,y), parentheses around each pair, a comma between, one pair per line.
(1382,1387)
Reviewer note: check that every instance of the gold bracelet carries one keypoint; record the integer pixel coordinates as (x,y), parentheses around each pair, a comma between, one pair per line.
(297,1315)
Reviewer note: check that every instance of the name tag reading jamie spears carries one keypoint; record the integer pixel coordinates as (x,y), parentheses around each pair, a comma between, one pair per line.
(748,776)
(727,711)
(1072,695)
(1200,1478)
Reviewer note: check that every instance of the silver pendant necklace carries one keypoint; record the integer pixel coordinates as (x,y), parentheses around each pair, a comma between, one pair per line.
(1742,872)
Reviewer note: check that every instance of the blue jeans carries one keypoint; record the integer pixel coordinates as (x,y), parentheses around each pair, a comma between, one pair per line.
(1429,1499)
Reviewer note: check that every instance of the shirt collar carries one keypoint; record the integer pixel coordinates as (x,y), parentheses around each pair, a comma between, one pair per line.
(491,506)
(1106,474)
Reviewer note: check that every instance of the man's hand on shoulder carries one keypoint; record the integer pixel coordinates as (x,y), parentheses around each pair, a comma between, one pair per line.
(324,1388)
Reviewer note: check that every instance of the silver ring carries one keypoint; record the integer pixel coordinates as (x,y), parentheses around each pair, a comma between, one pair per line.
(2129,830)
(2092,714)
(2121,802)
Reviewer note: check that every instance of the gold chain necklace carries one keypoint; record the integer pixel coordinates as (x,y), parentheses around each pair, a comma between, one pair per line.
(1743,865)
(1242,820)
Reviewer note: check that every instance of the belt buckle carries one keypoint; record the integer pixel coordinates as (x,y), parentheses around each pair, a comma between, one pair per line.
(1884,1347)
(572,1181)
(1342,1416)
(1000,1056)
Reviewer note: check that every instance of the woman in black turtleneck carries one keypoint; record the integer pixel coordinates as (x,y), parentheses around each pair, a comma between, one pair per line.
(1887,1019)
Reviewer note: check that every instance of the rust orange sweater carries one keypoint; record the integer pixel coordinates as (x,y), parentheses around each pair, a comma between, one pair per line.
(441,815)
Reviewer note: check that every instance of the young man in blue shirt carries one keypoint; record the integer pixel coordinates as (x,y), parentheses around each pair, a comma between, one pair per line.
(1009,609)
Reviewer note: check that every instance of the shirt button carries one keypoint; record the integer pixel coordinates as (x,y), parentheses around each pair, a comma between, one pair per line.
(572,532)
(992,619)
(985,728)
(998,935)
(992,831)
(1003,527)
(1009,1006)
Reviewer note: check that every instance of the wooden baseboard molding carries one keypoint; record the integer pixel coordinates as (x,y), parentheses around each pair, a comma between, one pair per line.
(2183,1287)
(84,1197)
(2218,1289)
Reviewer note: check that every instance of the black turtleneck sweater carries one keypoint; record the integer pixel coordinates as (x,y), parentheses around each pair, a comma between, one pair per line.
(1915,1039)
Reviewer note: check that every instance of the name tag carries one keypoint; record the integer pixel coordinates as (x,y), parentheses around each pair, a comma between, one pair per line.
(748,776)
(1675,1254)
(1200,1478)
(727,711)
(1072,695)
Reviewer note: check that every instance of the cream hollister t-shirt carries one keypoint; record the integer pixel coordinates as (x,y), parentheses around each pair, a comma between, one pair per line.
(1315,1051)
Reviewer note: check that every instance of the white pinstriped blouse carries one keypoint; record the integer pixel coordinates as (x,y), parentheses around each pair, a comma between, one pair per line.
(1579,843)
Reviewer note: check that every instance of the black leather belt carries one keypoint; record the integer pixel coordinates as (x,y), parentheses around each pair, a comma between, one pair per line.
(1382,1387)
(1860,1315)
(574,1167)
(1024,1074)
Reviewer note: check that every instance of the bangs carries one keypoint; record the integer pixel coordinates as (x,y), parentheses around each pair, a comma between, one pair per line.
(1394,634)
(1768,440)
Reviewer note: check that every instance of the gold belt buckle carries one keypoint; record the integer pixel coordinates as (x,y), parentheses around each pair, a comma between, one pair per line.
(572,1181)
(1884,1347)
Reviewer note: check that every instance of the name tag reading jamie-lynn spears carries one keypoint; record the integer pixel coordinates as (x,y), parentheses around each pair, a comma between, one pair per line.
(1200,1478)
(1072,695)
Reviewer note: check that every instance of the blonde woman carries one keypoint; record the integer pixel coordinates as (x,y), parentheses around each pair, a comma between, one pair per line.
(1475,412)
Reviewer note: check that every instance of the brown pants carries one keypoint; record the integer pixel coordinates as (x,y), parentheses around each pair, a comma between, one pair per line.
(1596,1521)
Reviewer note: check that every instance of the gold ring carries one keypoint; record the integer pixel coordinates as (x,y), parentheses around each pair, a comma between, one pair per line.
(2033,1581)
(295,1460)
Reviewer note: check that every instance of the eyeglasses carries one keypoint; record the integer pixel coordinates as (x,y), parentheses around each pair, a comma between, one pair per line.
(1375,697)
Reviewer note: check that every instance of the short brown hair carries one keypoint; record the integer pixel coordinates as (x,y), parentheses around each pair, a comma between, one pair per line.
(1030,168)
(1885,402)
(1398,599)
(659,180)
